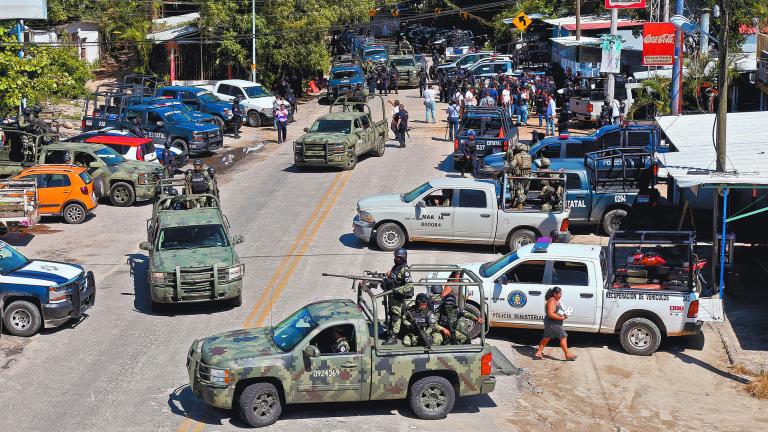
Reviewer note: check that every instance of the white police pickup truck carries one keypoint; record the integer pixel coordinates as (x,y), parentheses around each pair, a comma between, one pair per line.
(455,210)
(623,289)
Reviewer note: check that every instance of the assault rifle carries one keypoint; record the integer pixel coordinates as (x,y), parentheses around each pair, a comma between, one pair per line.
(427,339)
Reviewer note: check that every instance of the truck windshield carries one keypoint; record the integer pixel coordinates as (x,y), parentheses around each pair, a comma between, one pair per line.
(256,92)
(403,62)
(177,117)
(332,126)
(109,156)
(10,259)
(344,74)
(492,267)
(375,52)
(207,97)
(412,195)
(192,237)
(293,329)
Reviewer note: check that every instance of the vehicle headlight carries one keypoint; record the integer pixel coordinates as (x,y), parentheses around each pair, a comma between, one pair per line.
(197,346)
(57,294)
(366,217)
(234,273)
(227,112)
(157,277)
(220,376)
(297,146)
(266,111)
(198,136)
(142,180)
(337,148)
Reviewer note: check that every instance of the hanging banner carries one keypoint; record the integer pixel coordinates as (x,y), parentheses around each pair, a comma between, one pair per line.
(625,4)
(611,59)
(658,44)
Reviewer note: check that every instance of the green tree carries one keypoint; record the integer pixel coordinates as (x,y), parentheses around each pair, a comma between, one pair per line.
(44,74)
(654,100)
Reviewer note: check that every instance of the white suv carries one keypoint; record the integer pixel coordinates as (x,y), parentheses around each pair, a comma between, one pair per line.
(257,100)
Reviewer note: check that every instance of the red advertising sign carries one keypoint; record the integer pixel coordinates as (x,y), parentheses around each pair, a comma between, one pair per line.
(658,44)
(625,4)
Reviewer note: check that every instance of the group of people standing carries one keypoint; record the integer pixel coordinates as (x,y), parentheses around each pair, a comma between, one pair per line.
(380,77)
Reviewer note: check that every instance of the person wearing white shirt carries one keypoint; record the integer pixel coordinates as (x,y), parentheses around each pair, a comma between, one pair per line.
(469,98)
(615,111)
(429,103)
(551,110)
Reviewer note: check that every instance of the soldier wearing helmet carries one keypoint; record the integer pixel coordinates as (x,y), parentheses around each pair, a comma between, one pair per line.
(136,127)
(421,322)
(340,342)
(198,181)
(398,281)
(518,164)
(469,151)
(455,320)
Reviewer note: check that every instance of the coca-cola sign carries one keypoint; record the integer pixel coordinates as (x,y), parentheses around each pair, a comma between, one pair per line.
(658,44)
(625,4)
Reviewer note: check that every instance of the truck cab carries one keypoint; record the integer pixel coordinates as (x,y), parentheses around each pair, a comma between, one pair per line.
(574,147)
(256,99)
(36,293)
(167,123)
(202,100)
(343,78)
(494,132)
(375,53)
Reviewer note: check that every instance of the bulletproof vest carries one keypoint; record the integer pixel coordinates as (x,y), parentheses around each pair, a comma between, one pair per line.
(168,156)
(400,280)
(449,317)
(197,180)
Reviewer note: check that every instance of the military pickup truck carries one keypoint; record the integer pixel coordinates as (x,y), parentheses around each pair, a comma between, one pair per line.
(457,210)
(124,181)
(337,139)
(407,70)
(642,286)
(256,371)
(191,253)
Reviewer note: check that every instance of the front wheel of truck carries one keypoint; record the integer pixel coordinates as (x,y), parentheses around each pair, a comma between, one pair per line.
(122,195)
(640,336)
(259,404)
(390,237)
(432,397)
(351,160)
(22,318)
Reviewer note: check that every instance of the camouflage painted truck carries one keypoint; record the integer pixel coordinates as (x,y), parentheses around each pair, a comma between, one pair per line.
(191,253)
(407,70)
(123,181)
(256,371)
(337,139)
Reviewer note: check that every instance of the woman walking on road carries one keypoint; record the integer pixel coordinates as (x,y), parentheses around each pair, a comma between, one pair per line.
(554,315)
(282,121)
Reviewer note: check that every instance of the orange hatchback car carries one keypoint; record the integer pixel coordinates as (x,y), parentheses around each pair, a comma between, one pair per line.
(62,190)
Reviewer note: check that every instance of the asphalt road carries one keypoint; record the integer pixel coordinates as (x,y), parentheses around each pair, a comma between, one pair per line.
(122,368)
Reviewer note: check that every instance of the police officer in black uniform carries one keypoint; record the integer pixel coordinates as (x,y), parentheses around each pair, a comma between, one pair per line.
(168,159)
(136,128)
(237,116)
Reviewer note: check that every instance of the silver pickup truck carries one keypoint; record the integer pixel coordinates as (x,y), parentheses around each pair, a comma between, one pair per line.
(455,210)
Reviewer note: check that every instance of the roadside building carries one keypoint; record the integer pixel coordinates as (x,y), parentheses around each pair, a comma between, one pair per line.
(85,36)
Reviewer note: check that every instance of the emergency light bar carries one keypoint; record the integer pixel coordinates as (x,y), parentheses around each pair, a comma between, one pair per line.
(541,245)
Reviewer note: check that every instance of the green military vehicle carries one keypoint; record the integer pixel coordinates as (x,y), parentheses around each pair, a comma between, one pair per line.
(123,181)
(407,70)
(338,138)
(191,254)
(258,370)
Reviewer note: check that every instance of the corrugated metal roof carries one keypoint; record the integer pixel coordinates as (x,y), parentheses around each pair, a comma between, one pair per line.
(695,161)
(178,27)
(570,41)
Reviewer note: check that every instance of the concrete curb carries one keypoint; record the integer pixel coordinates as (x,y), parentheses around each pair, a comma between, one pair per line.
(734,352)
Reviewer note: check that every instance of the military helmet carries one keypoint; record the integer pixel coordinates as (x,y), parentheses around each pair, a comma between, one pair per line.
(543,163)
(471,134)
(401,253)
(436,289)
(422,298)
(520,147)
(38,109)
(450,299)
(197,162)
(211,172)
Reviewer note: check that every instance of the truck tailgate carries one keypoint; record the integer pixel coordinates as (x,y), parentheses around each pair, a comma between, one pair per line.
(501,365)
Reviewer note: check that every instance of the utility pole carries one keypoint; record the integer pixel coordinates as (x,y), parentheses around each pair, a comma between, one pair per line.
(578,19)
(253,40)
(665,13)
(611,84)
(677,68)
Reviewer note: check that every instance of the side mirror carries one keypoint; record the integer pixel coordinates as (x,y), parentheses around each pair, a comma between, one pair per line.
(503,280)
(421,204)
(145,245)
(306,130)
(94,164)
(237,239)
(311,351)
(159,124)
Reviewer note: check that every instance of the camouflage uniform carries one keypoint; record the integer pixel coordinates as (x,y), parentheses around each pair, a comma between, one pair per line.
(195,179)
(399,282)
(425,319)
(518,164)
(455,320)
(551,193)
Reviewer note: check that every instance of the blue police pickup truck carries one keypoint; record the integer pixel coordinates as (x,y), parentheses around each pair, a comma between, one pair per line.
(162,123)
(34,293)
(601,187)
(199,99)
(610,136)
(343,79)
(494,132)
(375,53)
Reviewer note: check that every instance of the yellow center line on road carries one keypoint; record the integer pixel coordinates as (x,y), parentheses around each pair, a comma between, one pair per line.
(291,261)
(296,242)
